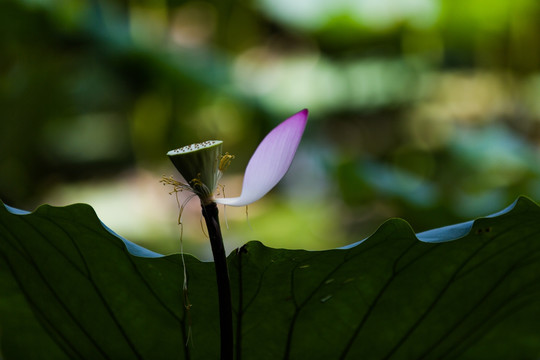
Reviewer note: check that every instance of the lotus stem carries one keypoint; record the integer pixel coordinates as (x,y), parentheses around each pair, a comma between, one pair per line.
(210,214)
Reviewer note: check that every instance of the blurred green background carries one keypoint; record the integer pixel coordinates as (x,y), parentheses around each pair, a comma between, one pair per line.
(422,109)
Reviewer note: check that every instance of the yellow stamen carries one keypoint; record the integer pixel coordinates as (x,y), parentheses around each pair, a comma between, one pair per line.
(177,185)
(225,161)
(196,182)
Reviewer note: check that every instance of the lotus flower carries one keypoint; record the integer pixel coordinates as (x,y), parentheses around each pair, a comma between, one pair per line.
(202,164)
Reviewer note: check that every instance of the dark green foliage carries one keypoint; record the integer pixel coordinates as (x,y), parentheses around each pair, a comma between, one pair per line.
(71,289)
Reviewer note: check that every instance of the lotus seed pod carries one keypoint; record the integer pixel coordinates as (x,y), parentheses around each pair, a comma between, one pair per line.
(199,166)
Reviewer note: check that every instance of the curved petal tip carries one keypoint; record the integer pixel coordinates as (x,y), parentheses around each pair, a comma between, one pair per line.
(271,160)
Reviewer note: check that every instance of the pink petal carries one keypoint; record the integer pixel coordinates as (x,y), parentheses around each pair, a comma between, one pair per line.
(270,161)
